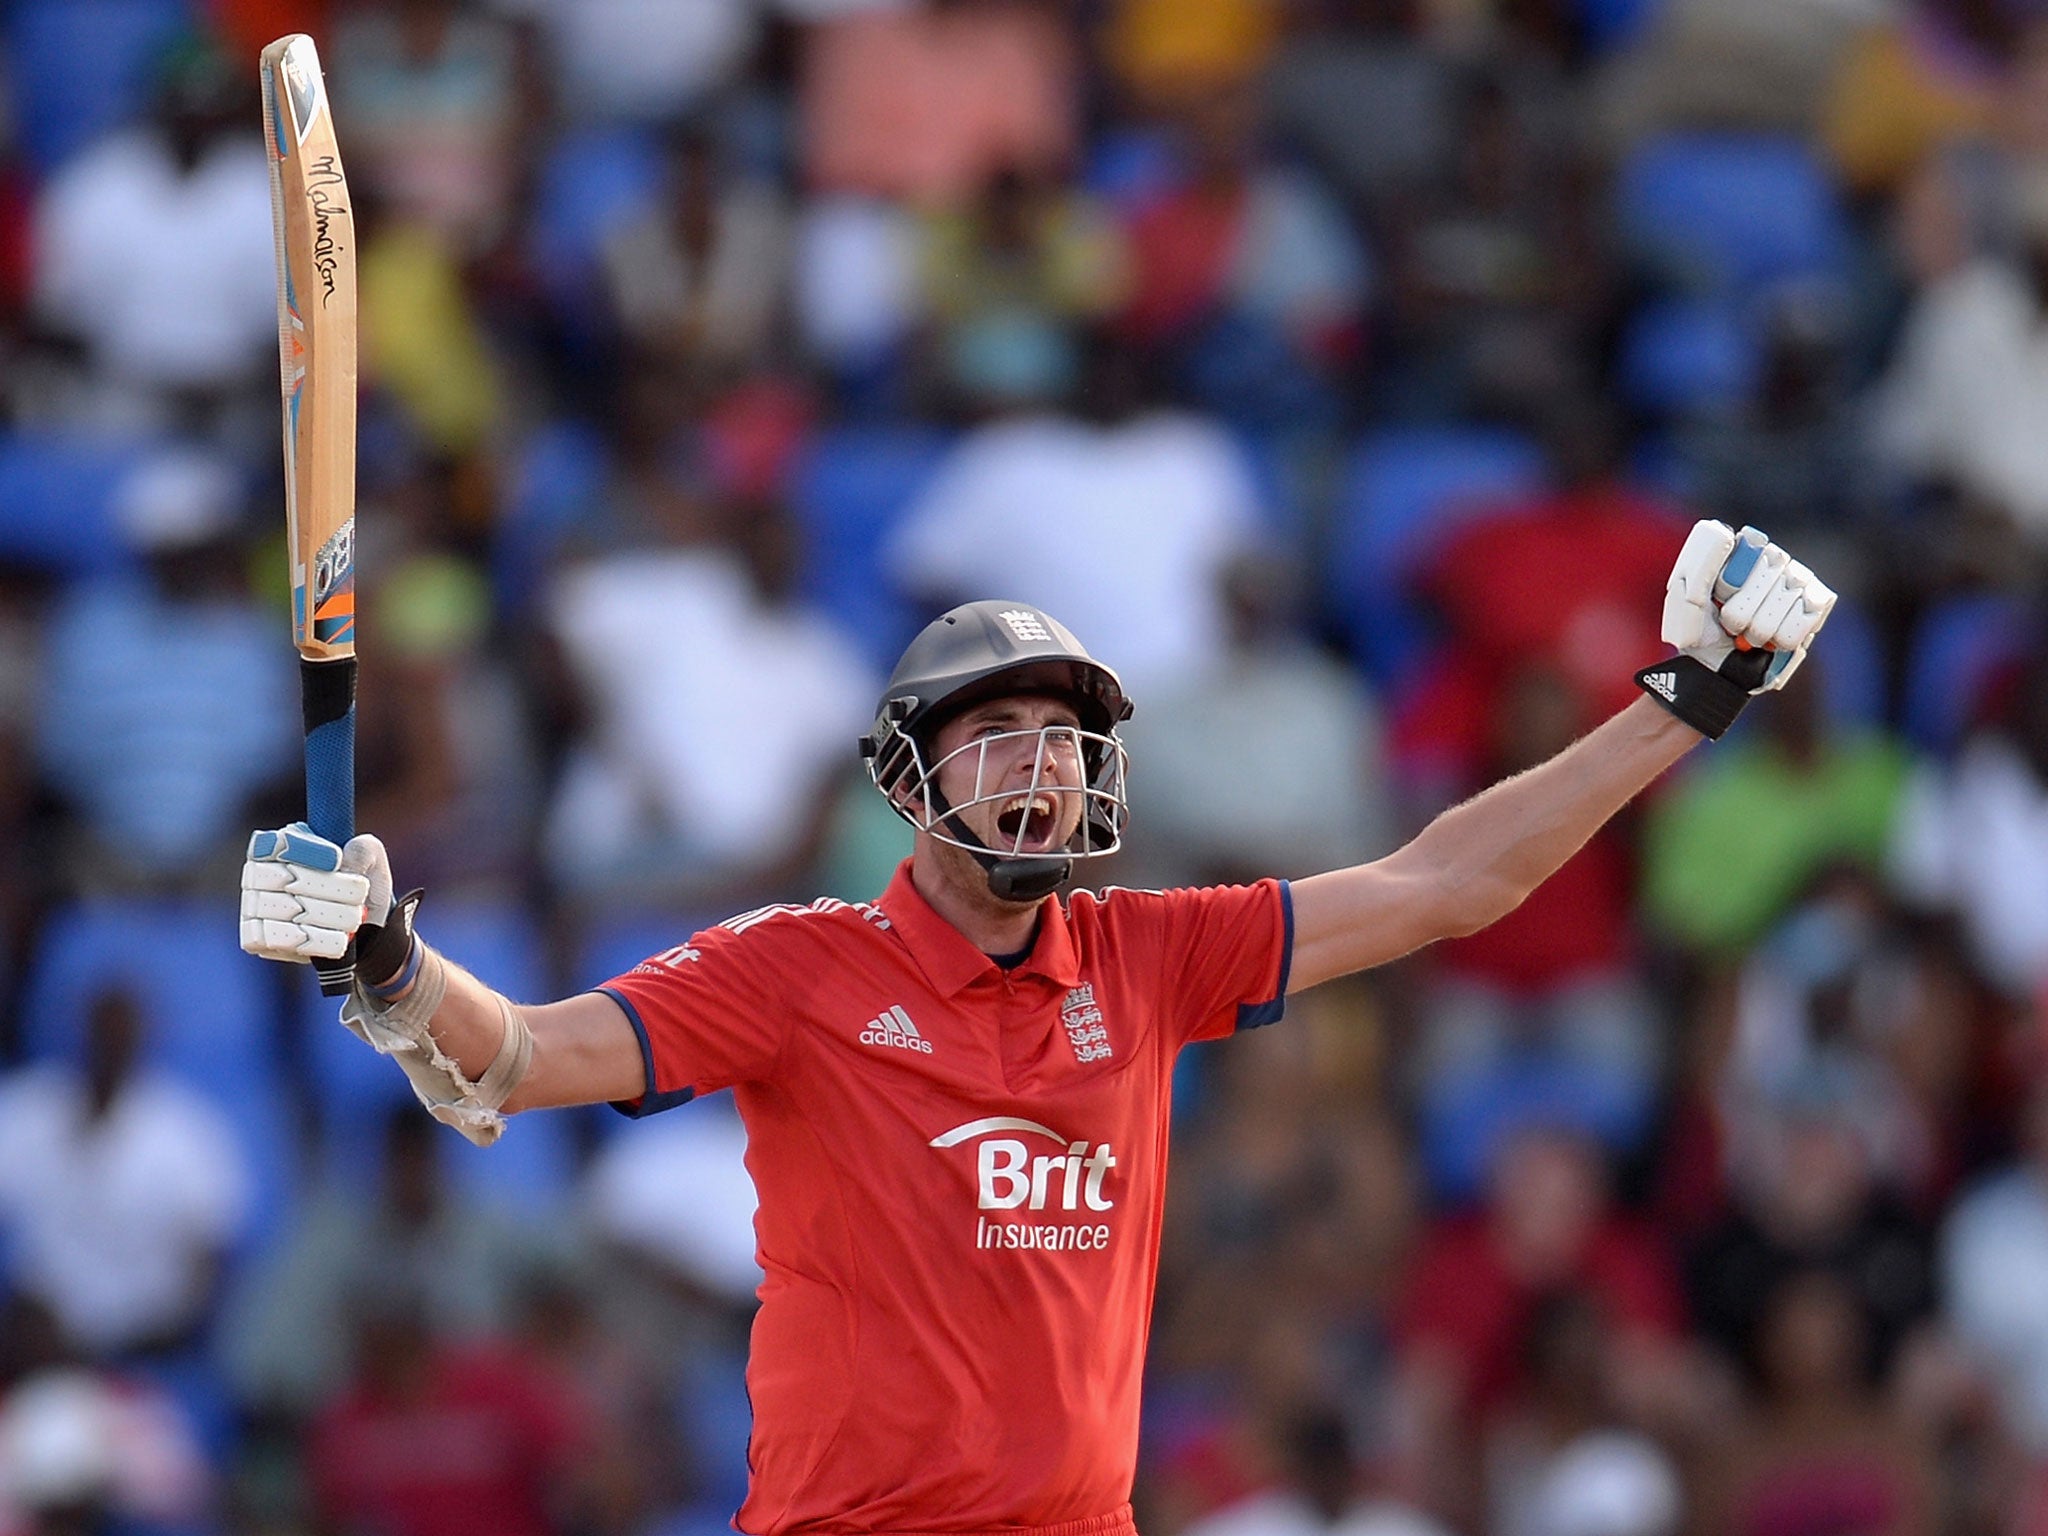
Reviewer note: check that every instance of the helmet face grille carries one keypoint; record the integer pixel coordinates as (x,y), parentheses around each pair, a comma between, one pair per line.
(1091,794)
(1071,804)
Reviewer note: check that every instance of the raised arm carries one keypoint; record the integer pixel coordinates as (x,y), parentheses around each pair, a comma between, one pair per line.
(1742,614)
(1477,861)
(584,1050)
(471,1053)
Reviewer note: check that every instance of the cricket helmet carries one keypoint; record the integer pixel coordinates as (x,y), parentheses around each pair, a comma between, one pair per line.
(989,650)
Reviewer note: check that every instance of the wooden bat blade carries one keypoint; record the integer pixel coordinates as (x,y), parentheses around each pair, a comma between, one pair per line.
(316,340)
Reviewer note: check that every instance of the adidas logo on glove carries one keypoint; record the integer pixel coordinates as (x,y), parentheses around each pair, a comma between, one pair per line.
(1663,684)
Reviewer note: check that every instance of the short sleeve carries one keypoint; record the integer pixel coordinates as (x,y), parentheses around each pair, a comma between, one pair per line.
(708,1014)
(1225,952)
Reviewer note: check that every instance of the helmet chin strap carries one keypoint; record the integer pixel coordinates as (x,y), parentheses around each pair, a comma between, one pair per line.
(1022,879)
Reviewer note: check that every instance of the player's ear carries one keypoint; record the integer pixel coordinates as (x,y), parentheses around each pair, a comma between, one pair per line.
(913,802)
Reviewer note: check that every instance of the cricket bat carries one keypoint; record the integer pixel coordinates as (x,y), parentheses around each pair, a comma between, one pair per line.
(316,345)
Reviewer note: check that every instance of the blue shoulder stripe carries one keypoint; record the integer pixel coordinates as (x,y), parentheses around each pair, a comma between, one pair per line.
(1256,1015)
(650,1102)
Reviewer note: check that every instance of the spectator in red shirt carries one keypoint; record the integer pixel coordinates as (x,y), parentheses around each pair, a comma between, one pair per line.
(432,1439)
(1568,577)
(1464,1322)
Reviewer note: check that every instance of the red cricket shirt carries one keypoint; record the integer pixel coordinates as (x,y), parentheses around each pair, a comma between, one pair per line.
(961,1173)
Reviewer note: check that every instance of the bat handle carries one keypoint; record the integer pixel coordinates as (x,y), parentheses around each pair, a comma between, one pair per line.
(1741,561)
(327,694)
(1749,544)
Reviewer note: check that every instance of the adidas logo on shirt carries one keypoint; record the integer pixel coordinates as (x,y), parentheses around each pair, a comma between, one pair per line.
(893,1027)
(1663,684)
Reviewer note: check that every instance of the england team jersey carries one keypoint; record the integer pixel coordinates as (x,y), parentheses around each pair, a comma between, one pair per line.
(961,1173)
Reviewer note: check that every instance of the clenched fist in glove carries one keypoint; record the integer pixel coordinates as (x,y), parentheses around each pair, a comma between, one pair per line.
(304,897)
(1742,613)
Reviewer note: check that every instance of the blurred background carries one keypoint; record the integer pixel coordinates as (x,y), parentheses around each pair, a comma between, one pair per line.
(1346,373)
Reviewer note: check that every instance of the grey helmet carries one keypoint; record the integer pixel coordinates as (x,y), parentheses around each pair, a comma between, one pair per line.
(988,650)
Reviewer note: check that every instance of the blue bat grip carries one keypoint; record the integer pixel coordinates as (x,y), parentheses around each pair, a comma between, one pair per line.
(331,778)
(1741,563)
(327,696)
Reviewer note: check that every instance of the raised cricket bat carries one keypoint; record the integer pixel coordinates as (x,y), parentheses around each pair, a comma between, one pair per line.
(316,345)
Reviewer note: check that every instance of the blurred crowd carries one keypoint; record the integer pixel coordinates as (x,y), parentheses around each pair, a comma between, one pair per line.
(1345,372)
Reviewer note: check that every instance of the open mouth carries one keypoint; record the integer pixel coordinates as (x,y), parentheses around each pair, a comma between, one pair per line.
(1028,822)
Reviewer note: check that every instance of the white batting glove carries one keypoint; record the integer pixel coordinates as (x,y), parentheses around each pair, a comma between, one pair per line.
(304,897)
(1742,613)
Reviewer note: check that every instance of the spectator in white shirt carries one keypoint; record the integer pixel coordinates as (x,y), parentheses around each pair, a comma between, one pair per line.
(153,250)
(1122,521)
(1994,1253)
(1967,388)
(1972,837)
(720,712)
(121,1191)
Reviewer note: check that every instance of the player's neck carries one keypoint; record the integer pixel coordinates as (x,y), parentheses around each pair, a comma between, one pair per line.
(962,897)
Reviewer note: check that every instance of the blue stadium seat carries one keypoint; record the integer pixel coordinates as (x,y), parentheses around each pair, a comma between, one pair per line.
(849,491)
(1713,213)
(716,1422)
(1287,477)
(1851,669)
(77,68)
(1611,24)
(1407,488)
(557,481)
(1129,166)
(1692,358)
(1656,464)
(57,498)
(212,1014)
(1464,1123)
(533,1165)
(592,181)
(1959,650)
(211,1008)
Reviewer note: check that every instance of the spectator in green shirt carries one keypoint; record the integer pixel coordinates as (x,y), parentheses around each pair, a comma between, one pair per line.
(1798,796)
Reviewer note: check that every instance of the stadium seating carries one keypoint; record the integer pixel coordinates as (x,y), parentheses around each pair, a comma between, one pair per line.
(1960,650)
(556,481)
(1684,357)
(1129,166)
(1407,487)
(57,498)
(1726,214)
(1465,1123)
(717,1421)
(80,67)
(1851,669)
(613,943)
(847,494)
(591,181)
(1612,24)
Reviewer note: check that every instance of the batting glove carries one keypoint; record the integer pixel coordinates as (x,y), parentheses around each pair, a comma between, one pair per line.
(304,896)
(1742,613)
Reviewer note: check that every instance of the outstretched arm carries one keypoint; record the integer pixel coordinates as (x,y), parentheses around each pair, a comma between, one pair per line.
(1741,612)
(584,1050)
(1477,861)
(471,1053)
